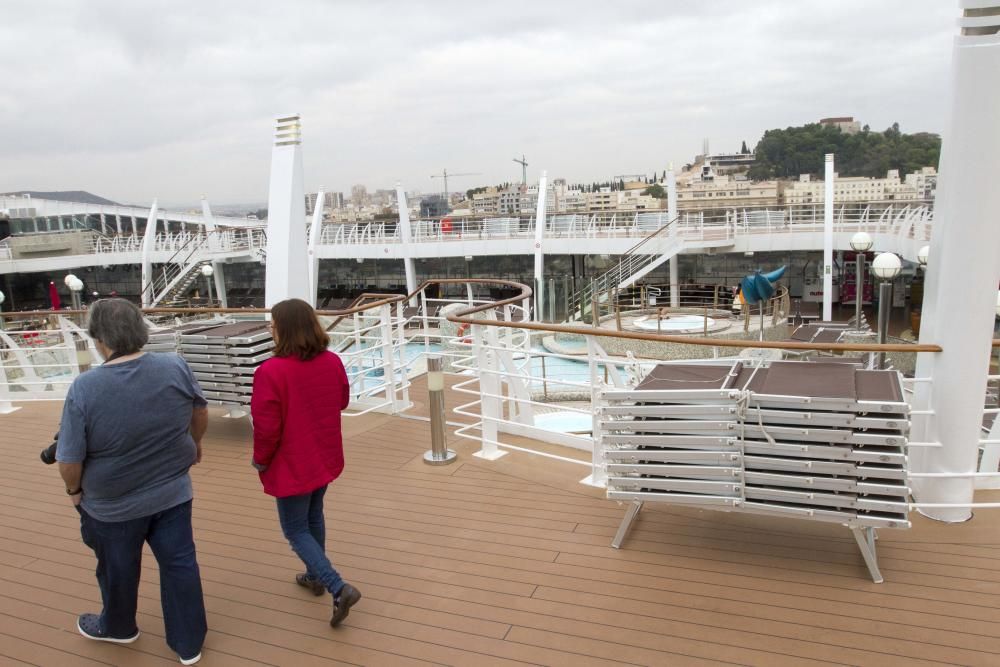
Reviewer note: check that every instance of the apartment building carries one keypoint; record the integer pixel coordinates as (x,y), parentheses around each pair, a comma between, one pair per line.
(725,191)
(856,189)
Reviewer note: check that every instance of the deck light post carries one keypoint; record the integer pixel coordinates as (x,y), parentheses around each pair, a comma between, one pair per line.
(4,298)
(438,454)
(885,267)
(208,271)
(75,286)
(860,243)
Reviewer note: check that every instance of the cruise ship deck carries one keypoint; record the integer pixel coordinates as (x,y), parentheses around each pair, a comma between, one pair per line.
(495,563)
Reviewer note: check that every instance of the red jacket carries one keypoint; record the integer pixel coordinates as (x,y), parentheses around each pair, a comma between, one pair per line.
(295,409)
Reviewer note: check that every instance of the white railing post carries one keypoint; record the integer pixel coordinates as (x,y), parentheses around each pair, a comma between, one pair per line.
(598,473)
(990,460)
(489,388)
(426,324)
(360,351)
(387,353)
(6,402)
(404,384)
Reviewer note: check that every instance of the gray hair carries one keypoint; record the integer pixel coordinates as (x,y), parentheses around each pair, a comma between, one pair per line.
(119,325)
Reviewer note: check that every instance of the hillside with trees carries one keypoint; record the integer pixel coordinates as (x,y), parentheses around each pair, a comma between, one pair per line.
(800,150)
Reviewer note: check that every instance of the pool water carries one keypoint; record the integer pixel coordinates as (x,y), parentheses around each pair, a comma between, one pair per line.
(565,422)
(675,323)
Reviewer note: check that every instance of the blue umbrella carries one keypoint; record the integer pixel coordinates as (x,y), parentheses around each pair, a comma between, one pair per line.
(759,286)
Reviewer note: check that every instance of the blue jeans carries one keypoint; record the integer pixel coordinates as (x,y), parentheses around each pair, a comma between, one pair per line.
(304,527)
(118,547)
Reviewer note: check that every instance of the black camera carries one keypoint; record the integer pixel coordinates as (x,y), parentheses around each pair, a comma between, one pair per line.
(48,454)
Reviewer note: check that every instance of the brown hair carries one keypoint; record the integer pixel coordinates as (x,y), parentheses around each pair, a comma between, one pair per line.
(298,332)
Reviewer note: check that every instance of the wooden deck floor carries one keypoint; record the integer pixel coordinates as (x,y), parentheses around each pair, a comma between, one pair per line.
(496,563)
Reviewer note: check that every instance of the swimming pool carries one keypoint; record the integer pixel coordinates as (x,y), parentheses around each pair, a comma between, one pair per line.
(675,323)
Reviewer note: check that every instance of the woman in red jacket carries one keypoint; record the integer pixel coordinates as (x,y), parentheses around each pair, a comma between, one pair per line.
(297,445)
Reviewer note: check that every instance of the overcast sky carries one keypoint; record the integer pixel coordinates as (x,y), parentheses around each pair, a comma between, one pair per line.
(176,98)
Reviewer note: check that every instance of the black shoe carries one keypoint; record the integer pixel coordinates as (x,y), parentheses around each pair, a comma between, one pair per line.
(89,626)
(312,583)
(342,603)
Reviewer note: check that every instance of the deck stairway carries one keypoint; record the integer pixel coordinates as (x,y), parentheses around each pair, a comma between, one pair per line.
(179,272)
(638,261)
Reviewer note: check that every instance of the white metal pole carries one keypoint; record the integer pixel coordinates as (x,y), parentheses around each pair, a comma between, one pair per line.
(148,239)
(315,233)
(672,214)
(406,237)
(210,229)
(220,284)
(828,239)
(214,242)
(675,285)
(539,255)
(963,272)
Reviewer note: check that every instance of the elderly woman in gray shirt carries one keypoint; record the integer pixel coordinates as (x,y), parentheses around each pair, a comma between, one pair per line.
(131,428)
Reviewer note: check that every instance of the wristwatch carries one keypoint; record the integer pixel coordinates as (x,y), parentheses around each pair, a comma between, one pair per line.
(70,492)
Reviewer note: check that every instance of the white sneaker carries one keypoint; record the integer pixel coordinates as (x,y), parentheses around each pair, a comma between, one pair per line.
(191,661)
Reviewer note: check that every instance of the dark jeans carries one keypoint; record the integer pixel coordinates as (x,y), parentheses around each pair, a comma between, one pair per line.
(118,546)
(304,527)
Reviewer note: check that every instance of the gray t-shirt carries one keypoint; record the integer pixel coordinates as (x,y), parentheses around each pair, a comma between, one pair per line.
(128,424)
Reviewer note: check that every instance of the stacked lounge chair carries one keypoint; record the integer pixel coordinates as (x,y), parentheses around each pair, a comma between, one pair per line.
(225,357)
(812,440)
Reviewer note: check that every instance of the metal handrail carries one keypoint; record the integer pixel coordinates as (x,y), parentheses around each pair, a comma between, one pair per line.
(172,261)
(603,281)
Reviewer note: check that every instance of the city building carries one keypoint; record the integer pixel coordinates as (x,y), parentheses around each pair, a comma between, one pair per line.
(359,196)
(846,124)
(856,189)
(703,188)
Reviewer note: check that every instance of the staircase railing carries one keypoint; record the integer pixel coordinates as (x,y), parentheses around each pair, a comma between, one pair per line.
(632,261)
(178,263)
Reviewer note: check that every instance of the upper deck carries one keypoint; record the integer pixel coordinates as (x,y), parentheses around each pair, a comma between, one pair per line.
(490,563)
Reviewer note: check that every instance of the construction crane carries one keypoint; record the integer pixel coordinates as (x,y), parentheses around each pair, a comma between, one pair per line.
(524,169)
(444,174)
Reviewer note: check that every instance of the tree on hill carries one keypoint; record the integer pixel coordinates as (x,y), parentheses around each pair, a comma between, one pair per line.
(801,150)
(656,190)
(744,150)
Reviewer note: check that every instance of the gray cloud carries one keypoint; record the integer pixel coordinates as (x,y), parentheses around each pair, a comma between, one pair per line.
(175,99)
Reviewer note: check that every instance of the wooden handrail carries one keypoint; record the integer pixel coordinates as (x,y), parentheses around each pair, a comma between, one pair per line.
(463,317)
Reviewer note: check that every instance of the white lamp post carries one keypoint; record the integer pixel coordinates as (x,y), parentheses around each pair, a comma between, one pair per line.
(207,271)
(75,285)
(4,298)
(923,255)
(860,243)
(885,267)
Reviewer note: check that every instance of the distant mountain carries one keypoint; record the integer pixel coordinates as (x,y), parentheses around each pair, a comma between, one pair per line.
(79,196)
